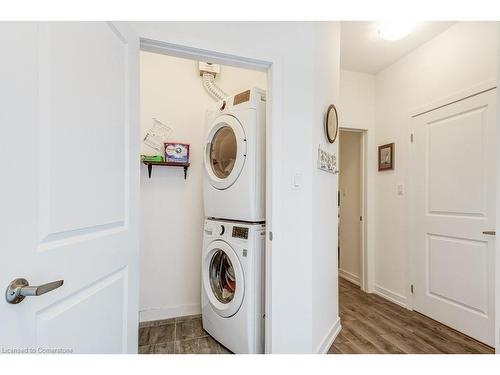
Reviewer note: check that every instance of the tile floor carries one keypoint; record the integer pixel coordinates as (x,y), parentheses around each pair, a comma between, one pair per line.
(184,335)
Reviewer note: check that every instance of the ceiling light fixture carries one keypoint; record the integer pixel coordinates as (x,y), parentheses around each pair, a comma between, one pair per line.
(395,30)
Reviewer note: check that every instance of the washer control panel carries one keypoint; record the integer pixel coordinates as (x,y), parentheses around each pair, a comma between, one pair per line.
(240,232)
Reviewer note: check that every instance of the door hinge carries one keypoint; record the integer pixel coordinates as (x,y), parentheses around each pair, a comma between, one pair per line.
(361,218)
(270,236)
(411,137)
(411,288)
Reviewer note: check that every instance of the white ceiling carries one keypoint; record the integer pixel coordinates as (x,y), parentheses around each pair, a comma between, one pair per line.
(362,50)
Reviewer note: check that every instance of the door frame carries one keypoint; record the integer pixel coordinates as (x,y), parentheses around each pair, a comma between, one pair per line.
(197,54)
(367,263)
(411,251)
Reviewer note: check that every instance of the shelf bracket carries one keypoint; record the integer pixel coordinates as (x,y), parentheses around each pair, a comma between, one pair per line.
(185,172)
(150,169)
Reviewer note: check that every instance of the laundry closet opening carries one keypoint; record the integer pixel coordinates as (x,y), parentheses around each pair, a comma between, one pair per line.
(202,240)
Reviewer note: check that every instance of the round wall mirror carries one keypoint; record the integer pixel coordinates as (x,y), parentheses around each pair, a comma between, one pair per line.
(331,123)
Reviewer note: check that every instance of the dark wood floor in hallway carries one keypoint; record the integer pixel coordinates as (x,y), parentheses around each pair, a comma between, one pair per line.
(371,324)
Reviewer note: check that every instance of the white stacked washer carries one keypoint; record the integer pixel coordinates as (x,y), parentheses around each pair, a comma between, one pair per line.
(235,157)
(234,237)
(232,284)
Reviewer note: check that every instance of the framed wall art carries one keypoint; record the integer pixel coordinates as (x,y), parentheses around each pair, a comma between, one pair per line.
(386,157)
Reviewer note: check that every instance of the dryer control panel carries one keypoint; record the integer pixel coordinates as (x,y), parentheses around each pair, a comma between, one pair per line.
(240,232)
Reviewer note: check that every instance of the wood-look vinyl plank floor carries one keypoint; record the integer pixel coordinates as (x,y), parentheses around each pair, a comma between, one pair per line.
(371,324)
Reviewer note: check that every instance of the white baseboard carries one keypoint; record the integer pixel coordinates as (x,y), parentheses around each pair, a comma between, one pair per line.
(161,313)
(391,296)
(330,337)
(349,277)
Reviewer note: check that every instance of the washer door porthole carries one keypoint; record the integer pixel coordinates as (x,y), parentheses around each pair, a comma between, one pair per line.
(222,277)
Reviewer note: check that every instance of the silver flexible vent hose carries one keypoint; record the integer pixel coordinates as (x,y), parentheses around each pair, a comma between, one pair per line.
(212,88)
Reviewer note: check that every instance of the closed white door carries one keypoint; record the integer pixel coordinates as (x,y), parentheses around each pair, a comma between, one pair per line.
(453,176)
(69,186)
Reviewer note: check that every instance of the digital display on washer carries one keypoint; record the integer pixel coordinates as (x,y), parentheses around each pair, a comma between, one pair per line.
(239,232)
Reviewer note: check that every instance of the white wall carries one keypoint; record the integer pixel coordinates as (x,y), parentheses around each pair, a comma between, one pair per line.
(171,207)
(357,99)
(324,219)
(461,57)
(293,50)
(350,179)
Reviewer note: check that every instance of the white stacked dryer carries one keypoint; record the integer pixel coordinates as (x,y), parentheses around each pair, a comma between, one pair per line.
(235,158)
(234,234)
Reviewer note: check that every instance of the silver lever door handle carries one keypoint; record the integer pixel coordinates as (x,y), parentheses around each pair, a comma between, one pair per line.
(490,232)
(20,288)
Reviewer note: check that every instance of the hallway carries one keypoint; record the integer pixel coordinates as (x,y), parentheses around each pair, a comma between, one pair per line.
(371,324)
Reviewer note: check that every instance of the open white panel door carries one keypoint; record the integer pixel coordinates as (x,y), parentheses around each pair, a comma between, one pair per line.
(453,168)
(69,190)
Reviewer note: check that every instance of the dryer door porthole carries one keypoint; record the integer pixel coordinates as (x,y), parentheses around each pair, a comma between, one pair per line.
(223,279)
(225,152)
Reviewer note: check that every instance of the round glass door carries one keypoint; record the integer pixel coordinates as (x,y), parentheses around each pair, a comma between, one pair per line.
(222,277)
(223,152)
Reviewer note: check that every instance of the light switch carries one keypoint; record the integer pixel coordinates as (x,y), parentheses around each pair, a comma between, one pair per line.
(297,181)
(400,189)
